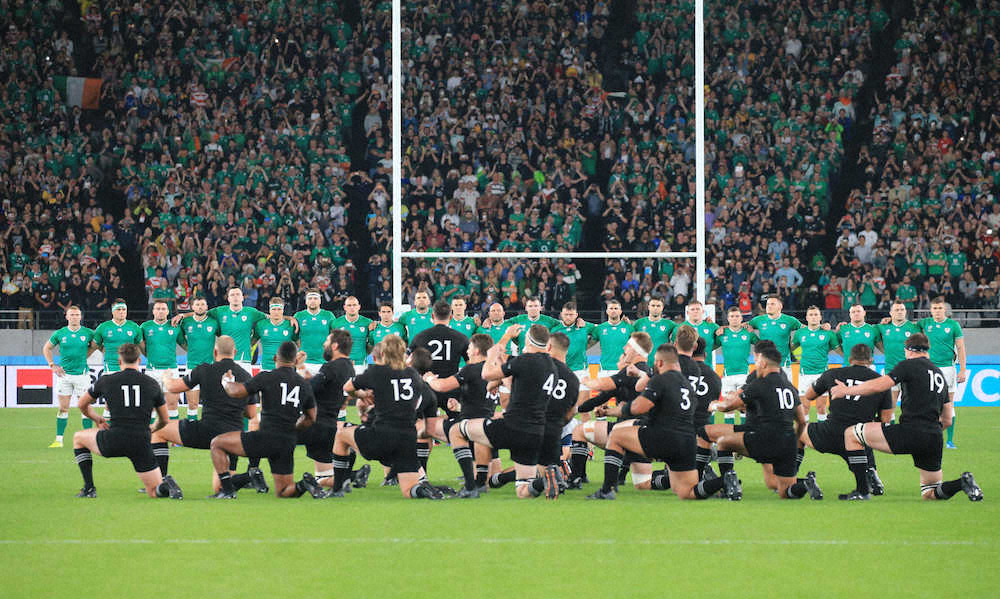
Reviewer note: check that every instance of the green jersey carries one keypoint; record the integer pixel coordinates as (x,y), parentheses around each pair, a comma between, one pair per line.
(893,338)
(415,322)
(579,339)
(271,337)
(466,326)
(313,331)
(612,338)
(239,326)
(496,331)
(161,343)
(851,335)
(658,330)
(816,346)
(706,330)
(942,336)
(200,337)
(109,336)
(779,330)
(73,347)
(359,335)
(381,331)
(523,320)
(736,347)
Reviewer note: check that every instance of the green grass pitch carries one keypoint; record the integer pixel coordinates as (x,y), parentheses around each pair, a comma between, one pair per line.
(373,543)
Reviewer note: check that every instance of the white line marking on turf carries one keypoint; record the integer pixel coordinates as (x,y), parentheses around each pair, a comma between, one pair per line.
(493,541)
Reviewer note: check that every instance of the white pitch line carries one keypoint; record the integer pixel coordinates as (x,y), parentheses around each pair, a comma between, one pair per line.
(497,541)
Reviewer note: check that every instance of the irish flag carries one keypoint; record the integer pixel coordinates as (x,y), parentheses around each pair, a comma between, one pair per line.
(80,91)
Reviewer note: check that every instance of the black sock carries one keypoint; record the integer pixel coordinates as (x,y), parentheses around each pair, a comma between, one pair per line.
(232,461)
(481,472)
(612,466)
(702,460)
(948,488)
(424,453)
(341,470)
(226,480)
(624,470)
(162,453)
(352,456)
(870,454)
(464,457)
(578,454)
(241,480)
(162,490)
(538,486)
(707,488)
(858,464)
(660,481)
(798,490)
(726,462)
(254,462)
(300,489)
(86,463)
(502,478)
(800,456)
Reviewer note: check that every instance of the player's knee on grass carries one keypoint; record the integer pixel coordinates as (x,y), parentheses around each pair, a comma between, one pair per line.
(642,476)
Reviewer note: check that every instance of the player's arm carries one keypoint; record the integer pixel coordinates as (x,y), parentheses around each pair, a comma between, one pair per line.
(728,403)
(603,383)
(176,320)
(960,349)
(801,420)
(493,368)
(947,414)
(85,403)
(307,419)
(233,388)
(161,417)
(808,396)
(439,385)
(642,378)
(295,323)
(882,383)
(640,405)
(47,352)
(175,385)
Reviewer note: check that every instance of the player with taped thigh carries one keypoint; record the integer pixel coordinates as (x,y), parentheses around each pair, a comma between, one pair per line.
(668,400)
(130,397)
(72,374)
(622,387)
(828,436)
(925,409)
(533,380)
(221,414)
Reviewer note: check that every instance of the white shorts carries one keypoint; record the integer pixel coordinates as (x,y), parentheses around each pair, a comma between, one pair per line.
(806,381)
(732,382)
(312,369)
(570,427)
(950,377)
(160,375)
(72,384)
(245,365)
(359,368)
(788,372)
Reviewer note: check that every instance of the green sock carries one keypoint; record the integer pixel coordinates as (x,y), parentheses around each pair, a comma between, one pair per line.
(87,423)
(192,414)
(61,421)
(246,424)
(951,430)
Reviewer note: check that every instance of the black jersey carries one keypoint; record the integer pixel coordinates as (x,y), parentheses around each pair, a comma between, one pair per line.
(771,401)
(396,395)
(284,395)
(924,392)
(625,382)
(218,410)
(852,409)
(328,389)
(131,396)
(427,400)
(447,347)
(563,396)
(706,383)
(674,402)
(475,402)
(534,380)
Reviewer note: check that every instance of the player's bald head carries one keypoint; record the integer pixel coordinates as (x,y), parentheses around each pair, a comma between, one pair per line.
(225,347)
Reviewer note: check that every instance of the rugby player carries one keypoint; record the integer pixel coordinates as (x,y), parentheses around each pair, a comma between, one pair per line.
(816,343)
(946,345)
(272,332)
(111,334)
(532,316)
(357,326)
(72,375)
(446,346)
(778,328)
(737,344)
(200,333)
(895,330)
(131,397)
(658,328)
(159,343)
(287,406)
(315,325)
(419,318)
(385,326)
(925,409)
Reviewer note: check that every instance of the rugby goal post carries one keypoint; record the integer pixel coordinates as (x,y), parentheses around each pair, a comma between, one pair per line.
(397,176)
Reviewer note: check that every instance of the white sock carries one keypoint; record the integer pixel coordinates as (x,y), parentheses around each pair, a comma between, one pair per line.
(821,417)
(172,414)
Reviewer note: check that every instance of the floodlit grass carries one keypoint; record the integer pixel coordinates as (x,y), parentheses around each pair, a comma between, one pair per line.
(374,543)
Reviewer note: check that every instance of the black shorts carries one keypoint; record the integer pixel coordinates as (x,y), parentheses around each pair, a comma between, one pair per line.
(828,437)
(923,444)
(702,418)
(678,450)
(126,444)
(630,457)
(198,434)
(773,446)
(550,453)
(318,440)
(525,448)
(396,448)
(278,449)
